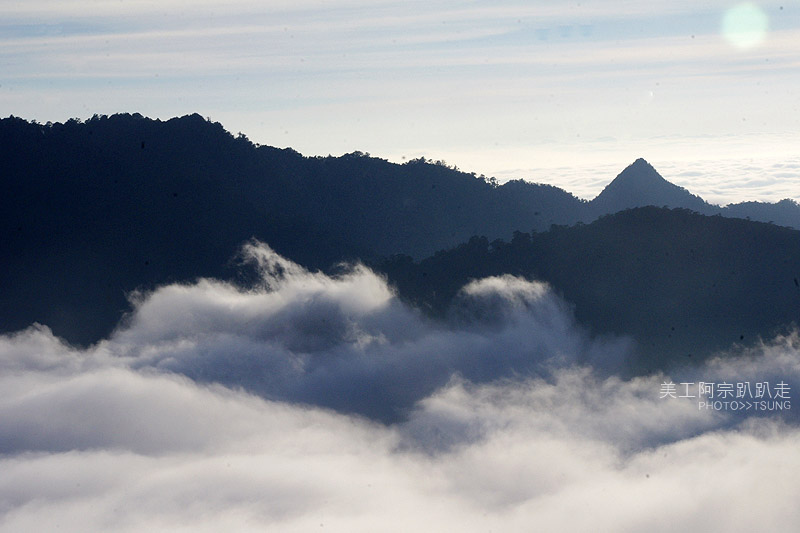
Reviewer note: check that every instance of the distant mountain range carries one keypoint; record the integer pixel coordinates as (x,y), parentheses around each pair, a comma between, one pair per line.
(640,185)
(93,210)
(683,285)
(131,164)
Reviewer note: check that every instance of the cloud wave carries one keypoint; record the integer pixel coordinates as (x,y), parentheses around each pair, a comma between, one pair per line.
(265,408)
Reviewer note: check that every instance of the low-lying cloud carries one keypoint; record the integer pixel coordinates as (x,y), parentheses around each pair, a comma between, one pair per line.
(317,402)
(347,342)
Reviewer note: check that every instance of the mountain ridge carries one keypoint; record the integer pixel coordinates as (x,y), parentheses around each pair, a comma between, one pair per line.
(637,185)
(94,210)
(681,284)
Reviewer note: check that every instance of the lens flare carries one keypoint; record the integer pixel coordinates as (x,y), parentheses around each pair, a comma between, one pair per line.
(745,25)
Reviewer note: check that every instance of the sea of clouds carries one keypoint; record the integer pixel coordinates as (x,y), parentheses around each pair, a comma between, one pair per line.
(721,181)
(315,402)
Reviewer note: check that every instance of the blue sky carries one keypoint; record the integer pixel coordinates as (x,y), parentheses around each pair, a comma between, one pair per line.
(559,92)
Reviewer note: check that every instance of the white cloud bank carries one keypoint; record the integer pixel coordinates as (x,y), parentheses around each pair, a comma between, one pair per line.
(208,411)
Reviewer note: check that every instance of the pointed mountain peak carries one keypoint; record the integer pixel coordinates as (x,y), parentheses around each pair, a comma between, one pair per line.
(637,182)
(640,171)
(639,185)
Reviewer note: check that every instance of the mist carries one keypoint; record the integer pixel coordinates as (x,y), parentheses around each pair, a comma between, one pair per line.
(304,400)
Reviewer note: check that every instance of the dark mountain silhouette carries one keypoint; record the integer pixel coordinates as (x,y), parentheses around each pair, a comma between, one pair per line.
(93,210)
(191,163)
(682,284)
(783,213)
(641,185)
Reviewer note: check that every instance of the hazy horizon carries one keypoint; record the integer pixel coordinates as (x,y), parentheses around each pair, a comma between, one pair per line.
(512,89)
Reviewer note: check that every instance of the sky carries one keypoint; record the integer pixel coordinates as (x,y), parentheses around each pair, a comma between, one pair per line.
(566,93)
(220,408)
